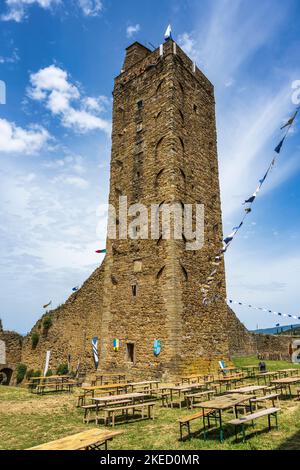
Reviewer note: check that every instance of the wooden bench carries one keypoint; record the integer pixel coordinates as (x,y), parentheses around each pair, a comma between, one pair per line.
(110,412)
(95,407)
(191,397)
(272,397)
(186,420)
(87,411)
(240,422)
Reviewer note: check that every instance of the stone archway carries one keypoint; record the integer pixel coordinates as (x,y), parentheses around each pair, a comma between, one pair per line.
(5,376)
(296,351)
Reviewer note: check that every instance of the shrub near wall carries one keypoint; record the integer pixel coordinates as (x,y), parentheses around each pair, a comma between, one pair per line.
(21,371)
(35,339)
(47,323)
(62,369)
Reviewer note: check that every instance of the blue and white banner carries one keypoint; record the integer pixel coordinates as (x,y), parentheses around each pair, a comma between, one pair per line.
(95,350)
(157,347)
(48,353)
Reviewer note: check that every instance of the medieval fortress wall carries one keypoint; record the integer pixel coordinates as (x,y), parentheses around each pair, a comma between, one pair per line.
(164,150)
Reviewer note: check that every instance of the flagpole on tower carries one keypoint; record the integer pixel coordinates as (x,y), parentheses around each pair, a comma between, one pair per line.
(168,33)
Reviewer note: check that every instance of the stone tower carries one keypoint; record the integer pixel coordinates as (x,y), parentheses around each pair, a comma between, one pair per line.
(163,151)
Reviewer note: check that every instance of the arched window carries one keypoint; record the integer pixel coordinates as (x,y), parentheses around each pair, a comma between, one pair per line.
(158,147)
(185,273)
(182,173)
(182,144)
(160,273)
(181,116)
(158,176)
(159,89)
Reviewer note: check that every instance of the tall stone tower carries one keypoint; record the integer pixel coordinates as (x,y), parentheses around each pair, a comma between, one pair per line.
(163,150)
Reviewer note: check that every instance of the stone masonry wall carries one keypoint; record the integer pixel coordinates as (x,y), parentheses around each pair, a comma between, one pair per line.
(74,324)
(244,343)
(13,346)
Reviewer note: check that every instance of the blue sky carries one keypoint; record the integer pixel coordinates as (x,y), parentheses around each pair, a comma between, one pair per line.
(58,59)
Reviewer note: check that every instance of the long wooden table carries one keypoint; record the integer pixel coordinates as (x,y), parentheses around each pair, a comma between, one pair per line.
(286,383)
(112,376)
(57,383)
(249,389)
(266,376)
(112,399)
(197,377)
(221,404)
(287,372)
(150,384)
(91,439)
(113,388)
(227,381)
(180,390)
(251,368)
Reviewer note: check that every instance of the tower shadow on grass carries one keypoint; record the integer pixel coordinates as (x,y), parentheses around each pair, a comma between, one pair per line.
(292,443)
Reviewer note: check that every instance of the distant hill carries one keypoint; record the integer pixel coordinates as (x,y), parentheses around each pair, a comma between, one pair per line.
(288,329)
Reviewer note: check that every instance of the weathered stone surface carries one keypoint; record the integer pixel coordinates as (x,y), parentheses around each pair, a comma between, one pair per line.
(74,324)
(164,150)
(243,343)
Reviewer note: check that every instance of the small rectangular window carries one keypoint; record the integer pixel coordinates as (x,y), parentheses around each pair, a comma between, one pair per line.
(130,352)
(134,290)
(140,104)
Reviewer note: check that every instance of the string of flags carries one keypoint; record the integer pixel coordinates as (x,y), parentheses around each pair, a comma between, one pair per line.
(248,209)
(76,288)
(263,309)
(47,305)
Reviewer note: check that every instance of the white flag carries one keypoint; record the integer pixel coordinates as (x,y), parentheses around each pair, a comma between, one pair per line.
(168,33)
(47,362)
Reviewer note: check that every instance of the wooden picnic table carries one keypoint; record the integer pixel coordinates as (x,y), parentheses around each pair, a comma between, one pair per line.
(286,383)
(266,376)
(223,403)
(252,369)
(286,372)
(50,377)
(111,399)
(39,384)
(249,389)
(111,376)
(228,380)
(197,377)
(114,388)
(228,369)
(91,439)
(181,390)
(146,384)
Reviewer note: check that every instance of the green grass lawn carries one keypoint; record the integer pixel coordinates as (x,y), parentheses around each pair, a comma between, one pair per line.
(27,420)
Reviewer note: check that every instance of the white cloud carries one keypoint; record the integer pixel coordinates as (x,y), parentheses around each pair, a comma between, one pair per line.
(51,86)
(132,29)
(14,139)
(72,180)
(17,8)
(90,7)
(188,44)
(248,114)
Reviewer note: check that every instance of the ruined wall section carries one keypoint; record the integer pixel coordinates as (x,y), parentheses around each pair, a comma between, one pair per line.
(74,324)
